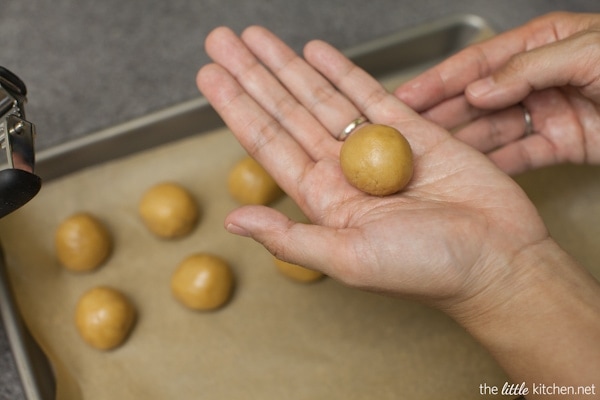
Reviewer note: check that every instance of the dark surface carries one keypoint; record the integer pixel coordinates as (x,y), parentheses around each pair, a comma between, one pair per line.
(17,187)
(91,65)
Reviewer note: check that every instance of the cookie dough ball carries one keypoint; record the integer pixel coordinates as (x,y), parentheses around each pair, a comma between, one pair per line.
(377,159)
(250,183)
(169,210)
(297,272)
(202,282)
(104,317)
(82,242)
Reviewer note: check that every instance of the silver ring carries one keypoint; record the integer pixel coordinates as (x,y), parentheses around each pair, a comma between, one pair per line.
(352,126)
(528,121)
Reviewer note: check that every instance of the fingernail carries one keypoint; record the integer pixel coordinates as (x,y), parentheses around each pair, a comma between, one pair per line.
(481,87)
(237,230)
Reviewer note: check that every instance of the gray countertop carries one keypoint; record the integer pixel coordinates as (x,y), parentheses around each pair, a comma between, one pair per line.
(90,65)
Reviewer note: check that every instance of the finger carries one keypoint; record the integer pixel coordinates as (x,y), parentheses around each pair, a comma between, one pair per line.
(371,98)
(312,246)
(451,77)
(261,135)
(453,113)
(558,137)
(542,68)
(311,89)
(228,50)
(532,152)
(494,130)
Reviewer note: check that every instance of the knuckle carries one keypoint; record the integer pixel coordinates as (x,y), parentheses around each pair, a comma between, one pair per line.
(284,107)
(321,95)
(262,132)
(516,65)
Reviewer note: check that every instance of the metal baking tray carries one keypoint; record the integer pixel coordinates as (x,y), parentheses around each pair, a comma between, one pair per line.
(402,53)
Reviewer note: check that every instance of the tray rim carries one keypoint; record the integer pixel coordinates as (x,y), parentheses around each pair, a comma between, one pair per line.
(83,151)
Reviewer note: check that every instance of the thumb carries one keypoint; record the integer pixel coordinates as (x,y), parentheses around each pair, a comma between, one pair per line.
(311,246)
(573,61)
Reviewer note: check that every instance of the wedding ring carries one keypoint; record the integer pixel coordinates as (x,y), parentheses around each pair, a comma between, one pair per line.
(528,121)
(352,126)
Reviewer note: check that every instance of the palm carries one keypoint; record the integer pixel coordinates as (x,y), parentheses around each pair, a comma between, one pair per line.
(451,217)
(442,225)
(567,119)
(564,121)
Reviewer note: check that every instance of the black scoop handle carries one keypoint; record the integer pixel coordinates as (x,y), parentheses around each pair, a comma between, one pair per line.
(14,83)
(17,187)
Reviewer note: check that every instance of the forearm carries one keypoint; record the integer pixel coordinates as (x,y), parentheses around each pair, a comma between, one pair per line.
(547,330)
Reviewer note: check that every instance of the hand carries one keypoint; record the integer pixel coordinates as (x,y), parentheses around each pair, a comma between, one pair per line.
(451,233)
(550,65)
(462,236)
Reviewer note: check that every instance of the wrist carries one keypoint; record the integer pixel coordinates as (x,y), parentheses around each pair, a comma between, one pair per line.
(546,307)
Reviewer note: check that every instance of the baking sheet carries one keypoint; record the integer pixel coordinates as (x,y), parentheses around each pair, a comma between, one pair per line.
(566,197)
(275,339)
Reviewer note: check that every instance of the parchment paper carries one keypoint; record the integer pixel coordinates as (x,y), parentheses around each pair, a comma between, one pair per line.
(276,339)
(568,199)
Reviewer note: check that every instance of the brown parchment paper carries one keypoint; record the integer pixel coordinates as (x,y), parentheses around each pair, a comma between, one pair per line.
(276,339)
